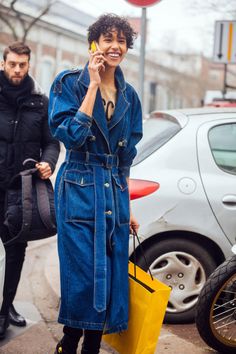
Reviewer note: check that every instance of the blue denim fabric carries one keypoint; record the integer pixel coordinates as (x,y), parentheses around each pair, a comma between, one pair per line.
(92,201)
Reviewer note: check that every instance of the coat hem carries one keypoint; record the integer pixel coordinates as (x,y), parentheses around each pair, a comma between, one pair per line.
(94,326)
(81,324)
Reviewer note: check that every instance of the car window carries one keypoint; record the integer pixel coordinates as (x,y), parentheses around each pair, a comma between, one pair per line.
(222,139)
(156,132)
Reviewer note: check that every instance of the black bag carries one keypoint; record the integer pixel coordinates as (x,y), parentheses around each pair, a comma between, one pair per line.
(29,208)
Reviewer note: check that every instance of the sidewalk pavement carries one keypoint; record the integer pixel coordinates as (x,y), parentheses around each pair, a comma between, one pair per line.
(168,342)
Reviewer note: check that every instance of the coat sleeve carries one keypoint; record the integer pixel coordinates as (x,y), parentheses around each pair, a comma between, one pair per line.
(66,122)
(50,146)
(128,153)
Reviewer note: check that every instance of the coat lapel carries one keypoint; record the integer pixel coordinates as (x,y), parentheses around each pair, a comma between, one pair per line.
(98,109)
(99,116)
(122,104)
(121,107)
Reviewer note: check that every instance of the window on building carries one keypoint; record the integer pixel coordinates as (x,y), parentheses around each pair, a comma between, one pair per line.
(222,139)
(46,76)
(65,65)
(153,96)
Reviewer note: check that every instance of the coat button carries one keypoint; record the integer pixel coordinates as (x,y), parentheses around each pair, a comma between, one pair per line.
(108,212)
(107,185)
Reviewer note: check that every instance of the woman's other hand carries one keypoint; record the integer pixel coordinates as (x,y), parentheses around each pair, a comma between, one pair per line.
(133,224)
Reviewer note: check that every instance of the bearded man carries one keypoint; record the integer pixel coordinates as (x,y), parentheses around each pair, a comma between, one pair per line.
(24,133)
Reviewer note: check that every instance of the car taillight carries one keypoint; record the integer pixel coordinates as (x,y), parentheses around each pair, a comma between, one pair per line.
(139,188)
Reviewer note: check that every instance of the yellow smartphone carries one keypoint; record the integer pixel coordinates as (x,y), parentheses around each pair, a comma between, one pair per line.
(93,47)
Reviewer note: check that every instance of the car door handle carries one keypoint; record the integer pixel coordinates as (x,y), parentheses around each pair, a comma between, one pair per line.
(229,200)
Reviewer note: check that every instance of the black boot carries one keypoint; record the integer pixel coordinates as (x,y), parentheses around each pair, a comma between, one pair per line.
(92,342)
(66,347)
(4,324)
(15,318)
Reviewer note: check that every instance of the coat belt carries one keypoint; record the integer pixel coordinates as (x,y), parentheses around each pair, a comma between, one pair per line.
(106,160)
(97,161)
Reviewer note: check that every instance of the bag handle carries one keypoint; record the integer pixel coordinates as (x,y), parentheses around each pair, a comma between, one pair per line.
(135,235)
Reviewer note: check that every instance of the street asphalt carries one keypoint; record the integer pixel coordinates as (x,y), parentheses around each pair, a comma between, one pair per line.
(167,343)
(37,333)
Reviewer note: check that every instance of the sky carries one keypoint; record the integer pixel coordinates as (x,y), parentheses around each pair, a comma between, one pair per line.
(172,24)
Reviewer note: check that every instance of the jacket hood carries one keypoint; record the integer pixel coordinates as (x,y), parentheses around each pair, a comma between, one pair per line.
(36,90)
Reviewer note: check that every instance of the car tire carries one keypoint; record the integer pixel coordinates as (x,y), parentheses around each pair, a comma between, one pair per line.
(184,265)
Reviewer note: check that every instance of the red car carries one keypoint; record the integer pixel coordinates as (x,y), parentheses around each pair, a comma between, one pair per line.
(222,103)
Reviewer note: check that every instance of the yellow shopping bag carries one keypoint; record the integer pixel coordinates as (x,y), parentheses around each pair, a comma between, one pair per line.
(147,306)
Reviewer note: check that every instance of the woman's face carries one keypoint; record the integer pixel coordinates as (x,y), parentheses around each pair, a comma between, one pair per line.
(114,47)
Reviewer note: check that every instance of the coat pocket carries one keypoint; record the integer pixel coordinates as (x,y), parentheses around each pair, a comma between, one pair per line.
(122,199)
(80,202)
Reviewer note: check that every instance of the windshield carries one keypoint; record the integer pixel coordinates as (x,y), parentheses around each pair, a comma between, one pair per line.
(156,132)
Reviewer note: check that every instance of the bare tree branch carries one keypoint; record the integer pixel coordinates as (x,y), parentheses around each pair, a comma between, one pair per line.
(41,14)
(10,25)
(25,24)
(223,7)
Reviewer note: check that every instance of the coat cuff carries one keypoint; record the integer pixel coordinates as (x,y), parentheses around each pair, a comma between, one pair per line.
(83,119)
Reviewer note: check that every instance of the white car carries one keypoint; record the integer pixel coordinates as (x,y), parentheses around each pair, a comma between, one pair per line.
(183,186)
(2,270)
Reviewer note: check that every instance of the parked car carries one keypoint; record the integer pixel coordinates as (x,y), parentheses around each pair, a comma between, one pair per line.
(2,270)
(183,191)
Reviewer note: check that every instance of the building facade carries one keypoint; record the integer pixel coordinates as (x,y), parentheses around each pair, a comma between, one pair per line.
(59,41)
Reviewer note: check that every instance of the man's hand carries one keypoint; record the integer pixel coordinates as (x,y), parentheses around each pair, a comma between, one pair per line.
(44,170)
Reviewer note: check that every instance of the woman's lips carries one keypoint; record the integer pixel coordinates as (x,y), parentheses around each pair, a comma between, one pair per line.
(113,55)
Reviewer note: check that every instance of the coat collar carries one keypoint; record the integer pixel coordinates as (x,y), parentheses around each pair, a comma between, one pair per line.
(36,88)
(121,107)
(119,77)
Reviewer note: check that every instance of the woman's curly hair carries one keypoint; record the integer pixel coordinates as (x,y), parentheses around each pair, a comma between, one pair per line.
(106,23)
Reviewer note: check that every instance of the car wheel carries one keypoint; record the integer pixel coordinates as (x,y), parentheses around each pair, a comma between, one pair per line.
(184,266)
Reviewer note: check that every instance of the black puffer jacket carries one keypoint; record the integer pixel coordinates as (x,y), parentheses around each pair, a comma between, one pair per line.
(24,133)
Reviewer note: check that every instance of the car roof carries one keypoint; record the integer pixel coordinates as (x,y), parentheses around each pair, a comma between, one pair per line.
(203,113)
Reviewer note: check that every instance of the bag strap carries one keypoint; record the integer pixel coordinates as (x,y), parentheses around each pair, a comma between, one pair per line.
(43,203)
(42,198)
(27,200)
(26,192)
(135,235)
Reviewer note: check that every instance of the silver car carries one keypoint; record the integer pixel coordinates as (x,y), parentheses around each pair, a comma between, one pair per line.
(183,191)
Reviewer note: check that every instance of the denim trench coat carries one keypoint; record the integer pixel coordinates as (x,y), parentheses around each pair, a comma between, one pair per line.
(92,201)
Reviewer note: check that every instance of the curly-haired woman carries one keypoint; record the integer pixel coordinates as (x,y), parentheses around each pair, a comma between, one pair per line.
(97,115)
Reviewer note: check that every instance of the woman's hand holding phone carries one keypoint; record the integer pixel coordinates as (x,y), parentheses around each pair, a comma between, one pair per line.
(96,63)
